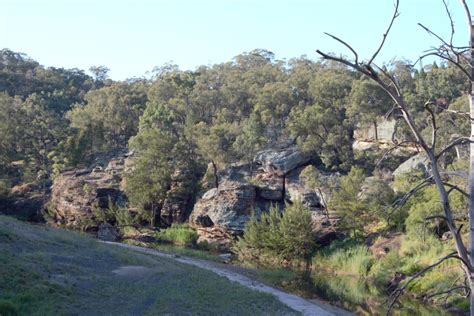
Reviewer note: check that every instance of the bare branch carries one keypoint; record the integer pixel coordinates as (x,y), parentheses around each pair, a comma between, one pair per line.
(453,187)
(460,113)
(466,10)
(401,201)
(449,291)
(394,16)
(456,142)
(448,59)
(397,293)
(356,56)
(388,151)
(345,62)
(391,78)
(415,189)
(436,216)
(434,34)
(451,21)
(433,124)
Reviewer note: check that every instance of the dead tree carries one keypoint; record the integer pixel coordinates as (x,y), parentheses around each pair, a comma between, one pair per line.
(457,56)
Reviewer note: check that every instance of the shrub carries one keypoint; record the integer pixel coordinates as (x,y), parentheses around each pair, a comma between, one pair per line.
(276,238)
(354,202)
(179,234)
(5,187)
(7,308)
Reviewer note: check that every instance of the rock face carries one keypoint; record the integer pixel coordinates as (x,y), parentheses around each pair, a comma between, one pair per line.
(385,131)
(365,141)
(419,162)
(229,206)
(273,179)
(280,161)
(26,201)
(75,194)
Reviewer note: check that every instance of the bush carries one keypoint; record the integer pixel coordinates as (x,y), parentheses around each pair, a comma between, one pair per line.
(359,201)
(7,308)
(276,237)
(179,234)
(5,187)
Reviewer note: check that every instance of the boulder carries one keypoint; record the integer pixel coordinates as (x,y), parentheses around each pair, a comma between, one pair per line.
(418,162)
(107,232)
(217,237)
(280,161)
(296,190)
(26,201)
(269,186)
(229,207)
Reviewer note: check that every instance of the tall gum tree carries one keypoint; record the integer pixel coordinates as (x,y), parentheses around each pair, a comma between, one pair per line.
(457,55)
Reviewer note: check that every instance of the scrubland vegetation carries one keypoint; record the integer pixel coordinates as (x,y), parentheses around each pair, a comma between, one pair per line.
(178,122)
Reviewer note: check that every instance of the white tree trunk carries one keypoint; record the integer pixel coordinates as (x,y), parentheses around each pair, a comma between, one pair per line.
(471,167)
(471,195)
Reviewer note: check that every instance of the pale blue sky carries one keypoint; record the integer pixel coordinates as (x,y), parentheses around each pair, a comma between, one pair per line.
(131,37)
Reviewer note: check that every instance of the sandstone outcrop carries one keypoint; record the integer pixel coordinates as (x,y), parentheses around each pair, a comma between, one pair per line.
(77,193)
(272,179)
(280,161)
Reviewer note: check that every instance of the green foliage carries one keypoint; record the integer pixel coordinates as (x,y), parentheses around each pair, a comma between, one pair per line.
(424,204)
(321,131)
(147,182)
(109,117)
(215,142)
(179,234)
(276,237)
(162,152)
(359,201)
(322,126)
(368,102)
(22,76)
(8,308)
(251,139)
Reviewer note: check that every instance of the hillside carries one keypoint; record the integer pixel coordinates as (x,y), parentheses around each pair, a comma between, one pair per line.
(46,271)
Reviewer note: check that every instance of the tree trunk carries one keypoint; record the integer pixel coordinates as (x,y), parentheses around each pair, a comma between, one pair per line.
(471,171)
(153,215)
(376,132)
(216,178)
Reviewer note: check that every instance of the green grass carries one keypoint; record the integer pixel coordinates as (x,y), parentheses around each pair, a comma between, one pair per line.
(46,271)
(278,277)
(178,234)
(189,252)
(345,258)
(347,271)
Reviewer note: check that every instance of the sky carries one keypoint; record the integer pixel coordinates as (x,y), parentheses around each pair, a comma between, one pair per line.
(131,37)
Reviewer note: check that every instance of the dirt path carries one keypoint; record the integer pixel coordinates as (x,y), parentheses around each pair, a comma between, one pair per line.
(294,302)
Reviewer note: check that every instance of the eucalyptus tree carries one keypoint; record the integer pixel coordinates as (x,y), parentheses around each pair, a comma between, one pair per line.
(368,102)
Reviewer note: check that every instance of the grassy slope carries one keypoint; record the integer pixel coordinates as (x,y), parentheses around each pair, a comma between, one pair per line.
(45,271)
